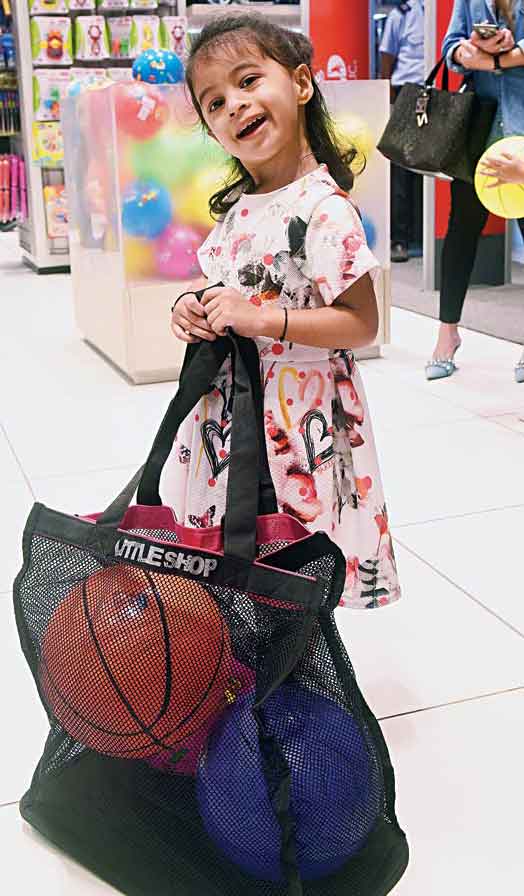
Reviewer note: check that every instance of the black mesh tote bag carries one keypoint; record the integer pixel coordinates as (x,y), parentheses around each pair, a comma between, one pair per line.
(207,734)
(438,132)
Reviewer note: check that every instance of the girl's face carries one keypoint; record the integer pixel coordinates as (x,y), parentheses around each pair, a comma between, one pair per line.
(253,105)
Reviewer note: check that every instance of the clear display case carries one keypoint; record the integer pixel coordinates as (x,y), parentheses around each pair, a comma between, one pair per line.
(139,173)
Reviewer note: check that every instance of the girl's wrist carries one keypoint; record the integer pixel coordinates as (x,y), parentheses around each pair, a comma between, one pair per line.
(273,321)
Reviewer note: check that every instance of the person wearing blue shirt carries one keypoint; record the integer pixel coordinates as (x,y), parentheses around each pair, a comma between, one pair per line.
(402,61)
(497,68)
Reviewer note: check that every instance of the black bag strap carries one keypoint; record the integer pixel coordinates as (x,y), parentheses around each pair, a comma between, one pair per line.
(431,78)
(249,483)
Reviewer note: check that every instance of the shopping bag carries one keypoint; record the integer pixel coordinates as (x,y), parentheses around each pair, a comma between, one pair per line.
(207,734)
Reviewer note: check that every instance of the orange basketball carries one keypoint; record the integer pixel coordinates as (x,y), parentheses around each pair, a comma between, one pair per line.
(134,662)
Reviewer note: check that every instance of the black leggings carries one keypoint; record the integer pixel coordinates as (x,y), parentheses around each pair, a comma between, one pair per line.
(466,223)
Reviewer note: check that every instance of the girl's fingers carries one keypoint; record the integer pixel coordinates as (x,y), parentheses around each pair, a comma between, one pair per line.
(182,335)
(195,306)
(202,331)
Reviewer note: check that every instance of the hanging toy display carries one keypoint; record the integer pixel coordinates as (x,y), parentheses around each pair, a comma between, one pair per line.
(158,67)
(145,34)
(51,40)
(91,39)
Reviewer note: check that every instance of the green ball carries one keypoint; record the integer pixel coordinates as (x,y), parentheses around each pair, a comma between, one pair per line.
(174,156)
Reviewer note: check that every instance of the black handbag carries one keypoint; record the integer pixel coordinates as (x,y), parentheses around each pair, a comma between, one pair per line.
(207,733)
(442,133)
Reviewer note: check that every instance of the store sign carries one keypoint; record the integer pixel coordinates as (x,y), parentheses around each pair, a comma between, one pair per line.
(340,34)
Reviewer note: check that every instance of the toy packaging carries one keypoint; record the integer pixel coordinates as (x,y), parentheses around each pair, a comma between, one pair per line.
(143,4)
(111,5)
(51,40)
(120,74)
(48,143)
(91,42)
(145,34)
(174,35)
(53,7)
(120,37)
(55,203)
(49,88)
(81,5)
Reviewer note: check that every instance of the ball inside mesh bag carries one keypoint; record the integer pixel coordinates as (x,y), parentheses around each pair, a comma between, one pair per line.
(335,785)
(134,662)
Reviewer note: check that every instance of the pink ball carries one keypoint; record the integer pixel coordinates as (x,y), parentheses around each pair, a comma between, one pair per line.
(176,252)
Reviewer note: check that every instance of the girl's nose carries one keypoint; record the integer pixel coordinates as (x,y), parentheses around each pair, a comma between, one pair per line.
(235,107)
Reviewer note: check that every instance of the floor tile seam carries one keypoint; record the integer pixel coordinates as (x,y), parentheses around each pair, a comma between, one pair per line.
(463,591)
(448,703)
(456,516)
(17,460)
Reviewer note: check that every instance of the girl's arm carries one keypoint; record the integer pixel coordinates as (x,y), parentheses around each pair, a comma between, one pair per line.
(352,320)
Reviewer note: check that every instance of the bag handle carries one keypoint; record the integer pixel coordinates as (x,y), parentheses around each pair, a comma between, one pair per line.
(249,482)
(431,78)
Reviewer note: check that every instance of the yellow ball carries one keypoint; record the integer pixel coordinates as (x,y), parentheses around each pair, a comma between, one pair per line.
(507,200)
(351,130)
(139,258)
(192,204)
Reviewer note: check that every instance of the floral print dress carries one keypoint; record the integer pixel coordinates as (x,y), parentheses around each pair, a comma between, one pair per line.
(299,247)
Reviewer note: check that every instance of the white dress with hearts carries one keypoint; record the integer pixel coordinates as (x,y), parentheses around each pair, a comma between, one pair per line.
(299,247)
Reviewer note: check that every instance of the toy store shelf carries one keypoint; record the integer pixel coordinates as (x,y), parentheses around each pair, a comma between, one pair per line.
(200,13)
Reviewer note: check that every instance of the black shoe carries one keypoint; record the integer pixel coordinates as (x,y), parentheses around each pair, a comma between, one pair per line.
(399,252)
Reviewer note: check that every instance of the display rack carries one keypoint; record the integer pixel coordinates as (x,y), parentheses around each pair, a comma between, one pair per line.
(294,16)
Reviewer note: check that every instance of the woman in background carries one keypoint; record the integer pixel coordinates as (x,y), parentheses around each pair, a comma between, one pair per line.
(497,65)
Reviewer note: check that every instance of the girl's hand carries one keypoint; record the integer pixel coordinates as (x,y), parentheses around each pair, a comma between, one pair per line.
(469,56)
(506,168)
(188,319)
(501,42)
(225,307)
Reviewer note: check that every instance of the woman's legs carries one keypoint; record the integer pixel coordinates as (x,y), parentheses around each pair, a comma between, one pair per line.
(467,219)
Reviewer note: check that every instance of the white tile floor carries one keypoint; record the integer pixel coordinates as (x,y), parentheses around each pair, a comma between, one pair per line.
(443,669)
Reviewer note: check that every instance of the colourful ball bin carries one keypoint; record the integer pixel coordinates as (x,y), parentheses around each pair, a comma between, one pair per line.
(158,67)
(146,210)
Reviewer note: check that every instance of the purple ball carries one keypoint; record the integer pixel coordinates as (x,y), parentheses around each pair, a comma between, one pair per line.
(336,787)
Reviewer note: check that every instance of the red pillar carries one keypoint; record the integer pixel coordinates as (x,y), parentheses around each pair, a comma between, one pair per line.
(339,30)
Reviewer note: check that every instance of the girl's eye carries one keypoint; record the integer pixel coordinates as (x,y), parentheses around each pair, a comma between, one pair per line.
(214,105)
(247,82)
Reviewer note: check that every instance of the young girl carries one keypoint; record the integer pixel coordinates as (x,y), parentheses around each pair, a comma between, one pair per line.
(298,275)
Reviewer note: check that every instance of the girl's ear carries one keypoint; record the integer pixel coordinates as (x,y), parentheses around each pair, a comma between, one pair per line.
(303,84)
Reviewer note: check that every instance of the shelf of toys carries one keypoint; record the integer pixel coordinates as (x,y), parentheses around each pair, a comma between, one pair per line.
(143,172)
(62,43)
(13,199)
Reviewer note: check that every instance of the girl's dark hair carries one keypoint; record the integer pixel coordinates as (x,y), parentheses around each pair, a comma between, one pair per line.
(289,49)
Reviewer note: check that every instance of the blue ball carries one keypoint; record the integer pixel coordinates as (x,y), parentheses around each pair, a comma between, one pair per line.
(146,209)
(158,67)
(370,230)
(335,788)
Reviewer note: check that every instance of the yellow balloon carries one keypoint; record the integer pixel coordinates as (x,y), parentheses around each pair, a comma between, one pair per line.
(139,258)
(192,204)
(353,130)
(507,200)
